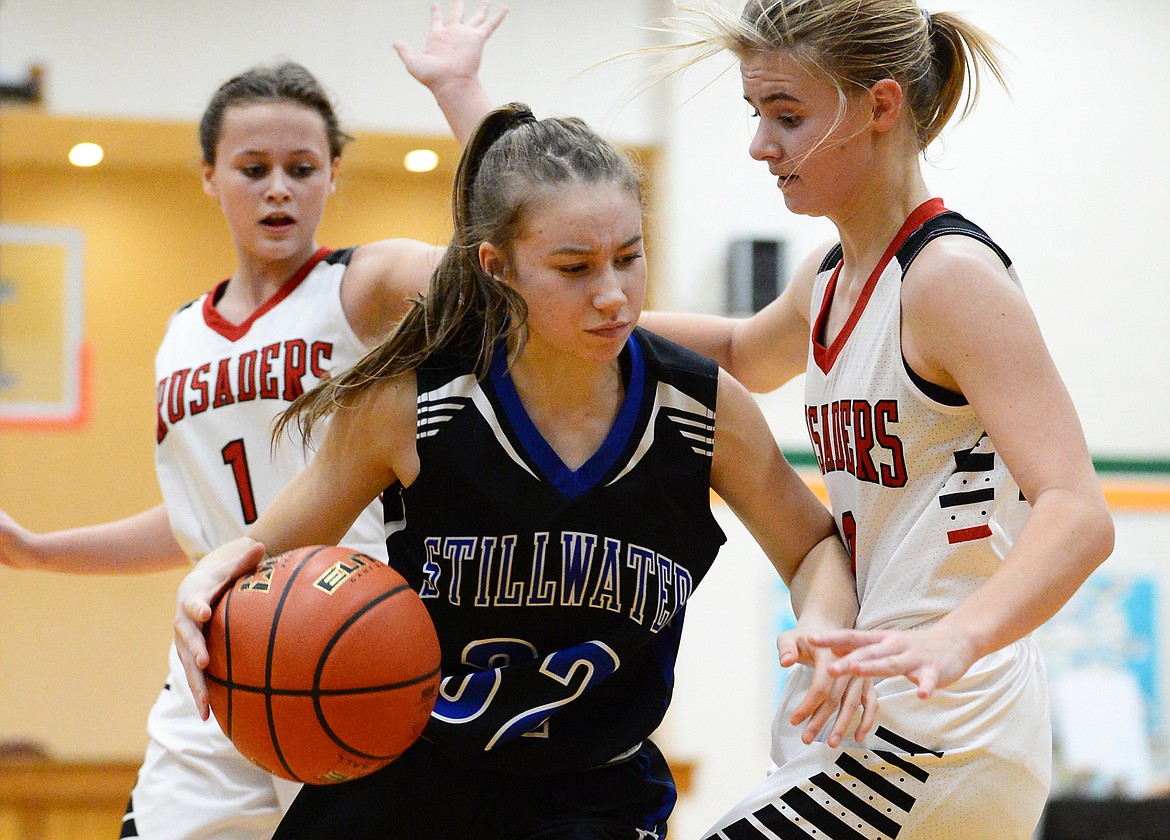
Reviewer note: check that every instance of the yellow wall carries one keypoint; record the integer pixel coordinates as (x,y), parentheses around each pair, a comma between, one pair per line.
(82,658)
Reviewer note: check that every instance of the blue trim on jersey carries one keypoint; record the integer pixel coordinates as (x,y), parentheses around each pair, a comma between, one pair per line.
(572,483)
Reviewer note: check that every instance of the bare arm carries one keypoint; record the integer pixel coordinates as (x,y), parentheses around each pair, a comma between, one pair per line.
(1002,365)
(135,545)
(762,351)
(449,63)
(994,354)
(799,537)
(367,447)
(380,282)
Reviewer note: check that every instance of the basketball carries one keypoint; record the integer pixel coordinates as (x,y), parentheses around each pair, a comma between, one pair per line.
(324,665)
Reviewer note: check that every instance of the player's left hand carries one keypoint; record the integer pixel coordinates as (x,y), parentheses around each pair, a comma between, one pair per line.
(931,658)
(843,695)
(454,47)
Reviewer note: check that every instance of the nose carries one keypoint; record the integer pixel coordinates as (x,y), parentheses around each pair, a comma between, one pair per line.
(762,146)
(278,187)
(610,295)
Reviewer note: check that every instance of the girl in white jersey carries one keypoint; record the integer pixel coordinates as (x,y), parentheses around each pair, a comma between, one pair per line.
(955,464)
(230,362)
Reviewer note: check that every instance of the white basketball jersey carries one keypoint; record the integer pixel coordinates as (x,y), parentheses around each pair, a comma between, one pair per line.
(928,510)
(923,501)
(221,386)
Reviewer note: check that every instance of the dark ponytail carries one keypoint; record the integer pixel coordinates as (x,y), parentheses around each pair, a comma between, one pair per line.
(511,159)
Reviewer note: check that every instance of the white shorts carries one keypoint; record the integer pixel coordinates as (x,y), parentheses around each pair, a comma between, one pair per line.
(193,784)
(972,762)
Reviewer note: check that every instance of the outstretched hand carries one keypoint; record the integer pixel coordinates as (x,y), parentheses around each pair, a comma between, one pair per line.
(197,594)
(454,47)
(931,658)
(829,693)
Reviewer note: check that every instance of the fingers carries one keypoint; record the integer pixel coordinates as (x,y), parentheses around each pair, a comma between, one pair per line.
(926,680)
(483,18)
(480,13)
(841,642)
(192,649)
(869,705)
(850,700)
(490,24)
(197,592)
(790,650)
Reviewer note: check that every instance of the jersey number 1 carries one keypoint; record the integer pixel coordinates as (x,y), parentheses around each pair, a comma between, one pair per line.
(234,457)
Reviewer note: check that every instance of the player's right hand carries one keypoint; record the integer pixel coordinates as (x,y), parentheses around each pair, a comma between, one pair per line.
(198,592)
(454,47)
(850,697)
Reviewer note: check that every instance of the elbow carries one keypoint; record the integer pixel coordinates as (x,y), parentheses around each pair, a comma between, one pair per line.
(1102,532)
(1093,532)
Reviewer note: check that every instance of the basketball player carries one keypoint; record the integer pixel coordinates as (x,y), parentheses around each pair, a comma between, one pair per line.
(955,464)
(230,362)
(547,470)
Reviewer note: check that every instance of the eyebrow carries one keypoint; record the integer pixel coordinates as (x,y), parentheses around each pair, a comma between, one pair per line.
(265,153)
(573,249)
(778,96)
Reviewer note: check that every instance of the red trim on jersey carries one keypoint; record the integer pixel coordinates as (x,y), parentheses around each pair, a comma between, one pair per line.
(234,332)
(826,356)
(979,532)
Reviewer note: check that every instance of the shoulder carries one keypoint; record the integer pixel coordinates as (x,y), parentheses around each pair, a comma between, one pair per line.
(664,354)
(405,264)
(951,270)
(962,310)
(379,415)
(189,312)
(820,259)
(381,280)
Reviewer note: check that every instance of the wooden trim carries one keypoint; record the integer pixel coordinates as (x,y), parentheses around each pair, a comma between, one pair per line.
(56,784)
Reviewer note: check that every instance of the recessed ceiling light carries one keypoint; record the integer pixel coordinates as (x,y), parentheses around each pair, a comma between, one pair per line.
(420,160)
(86,154)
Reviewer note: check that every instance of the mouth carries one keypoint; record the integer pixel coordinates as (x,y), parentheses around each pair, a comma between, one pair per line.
(277,221)
(610,330)
(783,181)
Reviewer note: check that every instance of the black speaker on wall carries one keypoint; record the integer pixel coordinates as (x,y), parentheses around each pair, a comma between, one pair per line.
(755,274)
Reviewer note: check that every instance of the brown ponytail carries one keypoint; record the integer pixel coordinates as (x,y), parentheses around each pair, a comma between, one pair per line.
(511,159)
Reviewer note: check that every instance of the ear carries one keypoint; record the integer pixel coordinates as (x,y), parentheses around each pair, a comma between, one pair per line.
(886,98)
(491,260)
(335,164)
(208,184)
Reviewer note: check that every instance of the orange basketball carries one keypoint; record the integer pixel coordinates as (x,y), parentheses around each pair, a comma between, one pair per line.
(324,665)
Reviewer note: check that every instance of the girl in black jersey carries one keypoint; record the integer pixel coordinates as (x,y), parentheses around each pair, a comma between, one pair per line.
(547,469)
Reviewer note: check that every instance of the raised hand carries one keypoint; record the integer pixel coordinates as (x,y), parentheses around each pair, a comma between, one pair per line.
(454,47)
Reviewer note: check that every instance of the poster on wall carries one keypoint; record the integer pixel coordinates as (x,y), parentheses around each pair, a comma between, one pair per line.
(1108,645)
(44,376)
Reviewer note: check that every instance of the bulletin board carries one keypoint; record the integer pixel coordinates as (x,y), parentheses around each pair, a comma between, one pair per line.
(44,375)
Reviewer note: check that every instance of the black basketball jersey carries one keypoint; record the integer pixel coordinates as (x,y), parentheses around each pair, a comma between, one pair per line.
(558,595)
